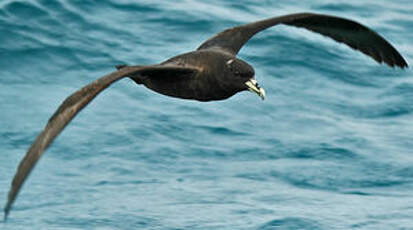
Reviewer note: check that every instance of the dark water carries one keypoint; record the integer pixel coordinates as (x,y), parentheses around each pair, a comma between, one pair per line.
(330,148)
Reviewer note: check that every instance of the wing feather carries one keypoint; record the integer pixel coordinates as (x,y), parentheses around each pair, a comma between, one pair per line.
(67,111)
(349,32)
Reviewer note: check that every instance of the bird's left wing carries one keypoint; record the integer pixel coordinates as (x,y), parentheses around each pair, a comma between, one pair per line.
(68,110)
(343,30)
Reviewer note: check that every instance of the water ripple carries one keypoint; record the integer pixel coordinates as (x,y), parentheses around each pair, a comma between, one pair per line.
(329,149)
(291,223)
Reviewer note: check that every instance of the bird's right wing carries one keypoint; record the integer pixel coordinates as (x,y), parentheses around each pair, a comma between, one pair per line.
(68,110)
(349,32)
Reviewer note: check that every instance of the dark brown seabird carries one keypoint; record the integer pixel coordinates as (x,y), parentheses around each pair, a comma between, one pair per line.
(212,72)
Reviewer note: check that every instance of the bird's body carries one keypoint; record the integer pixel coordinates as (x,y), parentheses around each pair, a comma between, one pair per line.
(212,72)
(211,78)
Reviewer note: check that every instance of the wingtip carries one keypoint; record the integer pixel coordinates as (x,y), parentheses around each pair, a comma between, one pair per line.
(396,61)
(402,65)
(400,61)
(6,214)
(7,210)
(405,66)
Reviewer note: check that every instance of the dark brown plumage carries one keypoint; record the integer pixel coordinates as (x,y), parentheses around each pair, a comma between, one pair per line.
(212,72)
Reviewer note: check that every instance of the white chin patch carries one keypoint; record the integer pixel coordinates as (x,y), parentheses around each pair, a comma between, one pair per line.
(253,81)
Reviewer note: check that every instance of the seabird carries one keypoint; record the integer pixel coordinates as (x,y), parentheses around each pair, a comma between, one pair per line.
(212,72)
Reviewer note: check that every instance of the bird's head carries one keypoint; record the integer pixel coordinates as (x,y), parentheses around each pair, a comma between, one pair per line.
(243,74)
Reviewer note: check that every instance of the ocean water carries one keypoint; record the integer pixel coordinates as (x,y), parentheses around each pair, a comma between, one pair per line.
(330,148)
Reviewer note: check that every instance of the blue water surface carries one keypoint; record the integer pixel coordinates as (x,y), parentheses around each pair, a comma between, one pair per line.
(330,148)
